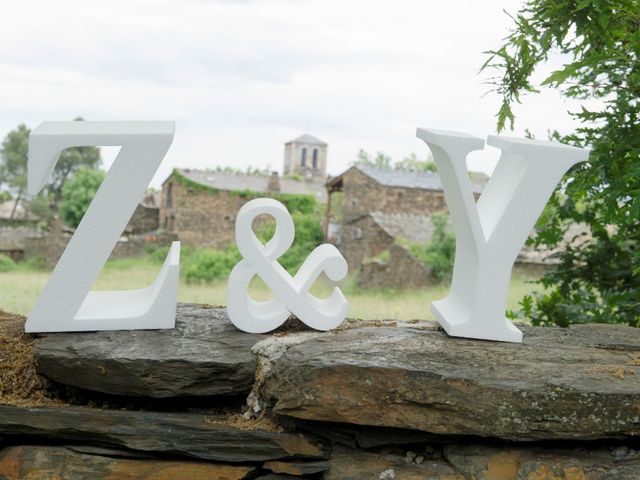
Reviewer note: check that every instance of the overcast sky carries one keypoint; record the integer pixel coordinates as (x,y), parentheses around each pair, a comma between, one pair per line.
(240,78)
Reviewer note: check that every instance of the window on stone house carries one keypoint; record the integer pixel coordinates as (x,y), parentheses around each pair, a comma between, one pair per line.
(314,160)
(303,157)
(170,196)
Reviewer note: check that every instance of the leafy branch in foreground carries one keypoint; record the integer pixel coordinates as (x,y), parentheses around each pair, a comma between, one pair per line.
(599,280)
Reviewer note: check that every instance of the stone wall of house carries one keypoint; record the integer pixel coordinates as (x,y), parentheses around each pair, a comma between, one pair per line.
(362,239)
(198,216)
(363,195)
(400,270)
(13,238)
(144,219)
(48,245)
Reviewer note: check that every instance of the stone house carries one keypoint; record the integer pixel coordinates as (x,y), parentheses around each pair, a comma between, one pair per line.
(376,212)
(384,259)
(364,190)
(306,156)
(367,189)
(199,207)
(146,217)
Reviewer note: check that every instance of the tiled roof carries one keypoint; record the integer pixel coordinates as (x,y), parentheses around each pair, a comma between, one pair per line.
(414,228)
(308,139)
(255,183)
(407,178)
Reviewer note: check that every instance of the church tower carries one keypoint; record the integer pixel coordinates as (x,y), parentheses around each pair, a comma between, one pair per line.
(306,156)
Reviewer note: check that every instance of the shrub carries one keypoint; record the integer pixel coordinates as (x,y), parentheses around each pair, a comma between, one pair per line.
(78,193)
(440,253)
(298,203)
(6,263)
(205,265)
(308,236)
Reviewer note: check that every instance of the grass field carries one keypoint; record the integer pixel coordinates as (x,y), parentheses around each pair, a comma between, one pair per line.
(20,289)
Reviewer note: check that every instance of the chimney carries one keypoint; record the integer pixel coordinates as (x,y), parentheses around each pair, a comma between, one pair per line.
(274,183)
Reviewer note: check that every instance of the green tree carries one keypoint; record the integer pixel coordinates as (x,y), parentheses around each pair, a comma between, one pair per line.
(13,164)
(599,280)
(13,167)
(380,160)
(78,193)
(412,162)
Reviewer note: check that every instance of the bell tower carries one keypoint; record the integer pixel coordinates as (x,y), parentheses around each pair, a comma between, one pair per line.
(306,156)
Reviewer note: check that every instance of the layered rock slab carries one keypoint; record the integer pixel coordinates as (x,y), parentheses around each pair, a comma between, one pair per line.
(204,355)
(206,437)
(575,383)
(348,464)
(478,462)
(58,462)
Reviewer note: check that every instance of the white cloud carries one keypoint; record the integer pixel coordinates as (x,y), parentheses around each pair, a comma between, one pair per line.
(242,77)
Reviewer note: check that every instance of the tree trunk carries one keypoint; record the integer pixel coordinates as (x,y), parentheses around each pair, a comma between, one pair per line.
(15,205)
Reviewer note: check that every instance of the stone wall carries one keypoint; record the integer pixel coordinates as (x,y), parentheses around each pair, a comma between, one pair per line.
(202,216)
(362,195)
(399,270)
(48,245)
(199,216)
(144,219)
(379,400)
(362,239)
(13,238)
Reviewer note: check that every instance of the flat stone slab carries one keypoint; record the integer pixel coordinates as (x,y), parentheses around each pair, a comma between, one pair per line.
(205,437)
(58,462)
(488,461)
(348,464)
(204,355)
(576,383)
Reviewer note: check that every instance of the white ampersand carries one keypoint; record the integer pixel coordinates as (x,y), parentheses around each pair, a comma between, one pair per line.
(292,293)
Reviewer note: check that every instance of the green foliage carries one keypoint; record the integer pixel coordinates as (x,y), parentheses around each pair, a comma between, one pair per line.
(598,281)
(6,263)
(298,203)
(383,256)
(382,160)
(40,207)
(13,161)
(31,264)
(190,184)
(5,196)
(412,162)
(13,169)
(308,236)
(206,265)
(71,161)
(440,253)
(78,193)
(260,172)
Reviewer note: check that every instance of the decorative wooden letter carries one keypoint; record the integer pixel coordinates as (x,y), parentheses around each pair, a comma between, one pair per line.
(66,303)
(489,235)
(292,293)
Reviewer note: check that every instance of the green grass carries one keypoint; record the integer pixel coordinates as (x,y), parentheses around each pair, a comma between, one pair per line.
(19,290)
